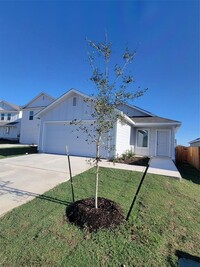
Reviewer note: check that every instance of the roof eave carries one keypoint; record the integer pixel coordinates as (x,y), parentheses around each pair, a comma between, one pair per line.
(158,124)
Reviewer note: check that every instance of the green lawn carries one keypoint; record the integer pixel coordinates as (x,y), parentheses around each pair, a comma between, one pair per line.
(16,151)
(165,218)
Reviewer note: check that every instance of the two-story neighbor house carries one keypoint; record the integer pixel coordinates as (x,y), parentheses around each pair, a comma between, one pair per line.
(10,116)
(30,125)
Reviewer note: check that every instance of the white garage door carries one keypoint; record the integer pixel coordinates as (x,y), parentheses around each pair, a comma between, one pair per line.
(58,135)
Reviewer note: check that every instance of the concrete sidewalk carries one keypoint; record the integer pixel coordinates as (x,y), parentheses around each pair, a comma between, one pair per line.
(160,166)
(13,145)
(25,177)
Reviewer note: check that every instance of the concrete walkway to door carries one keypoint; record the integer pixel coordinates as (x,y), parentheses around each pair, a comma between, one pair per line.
(163,166)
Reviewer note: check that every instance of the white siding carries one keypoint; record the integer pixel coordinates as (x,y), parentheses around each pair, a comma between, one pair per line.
(10,132)
(41,101)
(124,138)
(30,129)
(65,111)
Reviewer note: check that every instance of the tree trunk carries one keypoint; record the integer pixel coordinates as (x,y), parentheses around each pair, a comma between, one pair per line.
(97,170)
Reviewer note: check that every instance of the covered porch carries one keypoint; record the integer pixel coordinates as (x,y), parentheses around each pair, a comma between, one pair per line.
(155,136)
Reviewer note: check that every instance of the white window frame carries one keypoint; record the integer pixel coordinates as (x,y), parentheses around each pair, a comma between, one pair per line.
(142,129)
(74,101)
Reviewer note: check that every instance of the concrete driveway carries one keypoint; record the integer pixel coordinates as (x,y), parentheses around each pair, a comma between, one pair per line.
(25,177)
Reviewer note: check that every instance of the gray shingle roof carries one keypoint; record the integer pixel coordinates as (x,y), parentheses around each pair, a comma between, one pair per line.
(193,141)
(16,107)
(9,123)
(154,119)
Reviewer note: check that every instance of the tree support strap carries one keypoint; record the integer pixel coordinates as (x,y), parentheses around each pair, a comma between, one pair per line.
(137,192)
(70,173)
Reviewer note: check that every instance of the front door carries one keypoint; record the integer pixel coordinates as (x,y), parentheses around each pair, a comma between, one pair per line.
(163,143)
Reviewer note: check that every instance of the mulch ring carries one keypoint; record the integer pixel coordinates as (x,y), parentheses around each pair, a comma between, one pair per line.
(83,214)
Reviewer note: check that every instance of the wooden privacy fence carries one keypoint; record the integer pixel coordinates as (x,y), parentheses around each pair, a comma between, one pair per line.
(189,155)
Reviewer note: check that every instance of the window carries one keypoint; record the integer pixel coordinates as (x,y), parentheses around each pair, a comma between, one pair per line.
(31,115)
(142,138)
(74,101)
(9,117)
(2,117)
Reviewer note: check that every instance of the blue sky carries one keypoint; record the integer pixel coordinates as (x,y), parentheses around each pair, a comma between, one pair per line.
(43,48)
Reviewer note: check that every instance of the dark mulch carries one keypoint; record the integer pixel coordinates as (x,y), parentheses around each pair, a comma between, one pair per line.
(140,161)
(83,214)
(6,141)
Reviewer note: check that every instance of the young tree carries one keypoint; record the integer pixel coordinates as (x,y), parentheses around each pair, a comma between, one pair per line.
(112,91)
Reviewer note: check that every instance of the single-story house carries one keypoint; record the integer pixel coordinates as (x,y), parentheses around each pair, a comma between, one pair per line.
(195,142)
(30,125)
(142,132)
(10,117)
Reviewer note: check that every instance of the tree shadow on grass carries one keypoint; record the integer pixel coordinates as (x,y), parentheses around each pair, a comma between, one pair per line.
(19,194)
(188,172)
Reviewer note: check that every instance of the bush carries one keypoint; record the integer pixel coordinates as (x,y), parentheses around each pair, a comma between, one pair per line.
(128,154)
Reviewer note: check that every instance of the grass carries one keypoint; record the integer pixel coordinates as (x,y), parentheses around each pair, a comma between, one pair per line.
(165,218)
(188,172)
(16,151)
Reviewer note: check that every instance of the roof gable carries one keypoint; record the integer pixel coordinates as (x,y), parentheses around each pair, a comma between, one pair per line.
(61,99)
(41,100)
(4,105)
